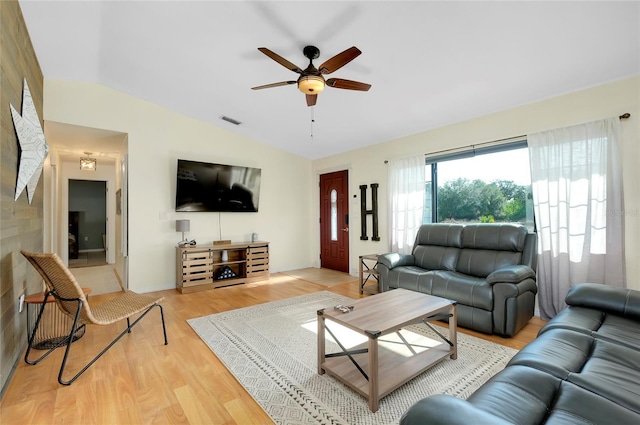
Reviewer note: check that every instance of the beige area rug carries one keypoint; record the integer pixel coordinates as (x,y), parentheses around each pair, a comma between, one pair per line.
(325,277)
(271,350)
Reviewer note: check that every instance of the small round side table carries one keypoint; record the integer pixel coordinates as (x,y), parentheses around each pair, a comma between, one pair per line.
(54,324)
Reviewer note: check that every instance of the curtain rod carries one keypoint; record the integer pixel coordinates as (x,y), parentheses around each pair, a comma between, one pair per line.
(624,116)
(471,146)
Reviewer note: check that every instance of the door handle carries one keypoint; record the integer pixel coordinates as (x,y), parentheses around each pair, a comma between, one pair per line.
(346,229)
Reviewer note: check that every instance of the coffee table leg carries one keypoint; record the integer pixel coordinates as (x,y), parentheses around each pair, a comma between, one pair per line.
(321,342)
(373,374)
(453,332)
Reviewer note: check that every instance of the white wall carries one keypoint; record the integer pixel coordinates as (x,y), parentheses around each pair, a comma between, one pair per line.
(157,137)
(367,166)
(289,207)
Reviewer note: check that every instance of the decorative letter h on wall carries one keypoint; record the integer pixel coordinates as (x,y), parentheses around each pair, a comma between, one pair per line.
(373,211)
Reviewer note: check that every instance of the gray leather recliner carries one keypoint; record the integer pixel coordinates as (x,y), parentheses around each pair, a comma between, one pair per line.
(583,368)
(489,269)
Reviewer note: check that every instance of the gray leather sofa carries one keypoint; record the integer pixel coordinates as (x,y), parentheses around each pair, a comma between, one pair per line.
(584,367)
(489,269)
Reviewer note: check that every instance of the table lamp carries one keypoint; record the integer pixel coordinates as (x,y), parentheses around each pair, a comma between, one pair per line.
(182,226)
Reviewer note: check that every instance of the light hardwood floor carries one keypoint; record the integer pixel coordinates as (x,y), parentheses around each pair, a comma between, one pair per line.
(142,381)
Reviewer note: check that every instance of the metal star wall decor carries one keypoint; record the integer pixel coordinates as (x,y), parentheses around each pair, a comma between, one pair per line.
(32,143)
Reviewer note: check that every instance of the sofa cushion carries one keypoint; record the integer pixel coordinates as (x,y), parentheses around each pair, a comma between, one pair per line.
(433,257)
(411,277)
(558,352)
(483,262)
(525,395)
(440,234)
(612,371)
(599,366)
(577,319)
(497,237)
(443,409)
(518,394)
(574,405)
(622,302)
(609,327)
(467,290)
(437,246)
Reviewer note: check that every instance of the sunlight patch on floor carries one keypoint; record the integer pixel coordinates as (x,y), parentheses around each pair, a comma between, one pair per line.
(404,342)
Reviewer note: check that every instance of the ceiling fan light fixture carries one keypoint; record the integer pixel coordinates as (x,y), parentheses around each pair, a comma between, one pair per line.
(311,84)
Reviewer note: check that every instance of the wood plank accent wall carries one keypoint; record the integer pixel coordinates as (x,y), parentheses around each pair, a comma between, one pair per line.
(21,224)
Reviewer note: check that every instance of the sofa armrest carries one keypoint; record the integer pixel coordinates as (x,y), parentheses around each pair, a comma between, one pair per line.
(619,301)
(511,274)
(514,294)
(445,409)
(394,259)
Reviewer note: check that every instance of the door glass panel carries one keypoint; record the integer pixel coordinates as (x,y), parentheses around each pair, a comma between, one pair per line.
(334,215)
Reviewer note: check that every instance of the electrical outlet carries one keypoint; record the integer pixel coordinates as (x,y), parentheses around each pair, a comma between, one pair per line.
(86,238)
(21,303)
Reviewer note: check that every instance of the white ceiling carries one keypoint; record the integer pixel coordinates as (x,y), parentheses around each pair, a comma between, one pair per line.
(430,63)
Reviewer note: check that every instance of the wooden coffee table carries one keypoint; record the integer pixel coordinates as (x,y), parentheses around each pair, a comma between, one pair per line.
(392,355)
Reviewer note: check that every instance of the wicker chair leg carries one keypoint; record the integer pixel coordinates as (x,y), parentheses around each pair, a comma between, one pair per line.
(74,328)
(123,333)
(164,328)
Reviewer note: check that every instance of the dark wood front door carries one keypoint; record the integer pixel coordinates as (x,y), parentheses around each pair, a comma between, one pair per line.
(334,221)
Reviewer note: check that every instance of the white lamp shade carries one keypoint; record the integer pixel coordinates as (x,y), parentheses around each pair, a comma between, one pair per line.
(182,225)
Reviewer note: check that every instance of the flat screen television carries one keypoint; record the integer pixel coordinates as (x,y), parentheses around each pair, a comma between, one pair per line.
(202,186)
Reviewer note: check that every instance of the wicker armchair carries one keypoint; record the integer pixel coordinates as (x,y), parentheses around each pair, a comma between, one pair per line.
(69,297)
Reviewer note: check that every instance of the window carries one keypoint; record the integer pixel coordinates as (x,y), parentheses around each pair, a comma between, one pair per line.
(334,215)
(485,185)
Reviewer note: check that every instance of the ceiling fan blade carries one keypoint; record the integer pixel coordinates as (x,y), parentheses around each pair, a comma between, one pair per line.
(339,60)
(282,61)
(339,83)
(267,86)
(311,99)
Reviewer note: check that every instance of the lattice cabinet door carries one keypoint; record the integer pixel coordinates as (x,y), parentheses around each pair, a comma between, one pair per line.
(258,261)
(195,267)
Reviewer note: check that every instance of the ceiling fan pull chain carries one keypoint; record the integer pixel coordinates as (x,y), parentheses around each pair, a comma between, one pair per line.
(312,121)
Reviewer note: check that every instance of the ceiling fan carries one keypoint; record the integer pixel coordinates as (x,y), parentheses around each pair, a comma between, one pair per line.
(311,80)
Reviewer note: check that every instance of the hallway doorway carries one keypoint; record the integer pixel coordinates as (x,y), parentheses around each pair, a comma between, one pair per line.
(87,236)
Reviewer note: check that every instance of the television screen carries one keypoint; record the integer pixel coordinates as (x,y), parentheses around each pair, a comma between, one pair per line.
(202,186)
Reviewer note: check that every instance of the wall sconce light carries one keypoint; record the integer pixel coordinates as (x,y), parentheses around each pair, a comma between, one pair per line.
(88,164)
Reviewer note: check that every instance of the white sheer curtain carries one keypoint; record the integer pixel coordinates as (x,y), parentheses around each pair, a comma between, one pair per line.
(576,179)
(406,202)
